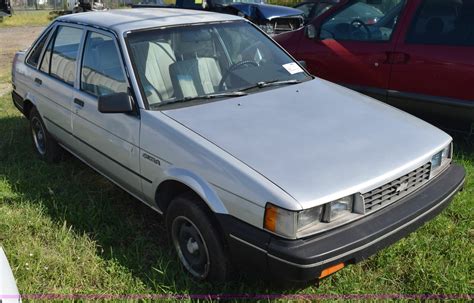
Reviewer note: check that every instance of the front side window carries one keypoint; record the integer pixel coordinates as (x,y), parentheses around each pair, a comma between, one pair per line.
(101,72)
(175,64)
(64,53)
(35,54)
(312,10)
(364,20)
(443,22)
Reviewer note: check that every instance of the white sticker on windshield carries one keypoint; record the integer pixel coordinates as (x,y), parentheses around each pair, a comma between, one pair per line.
(292,68)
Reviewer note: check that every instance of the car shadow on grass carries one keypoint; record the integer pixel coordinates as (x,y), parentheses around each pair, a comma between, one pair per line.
(124,229)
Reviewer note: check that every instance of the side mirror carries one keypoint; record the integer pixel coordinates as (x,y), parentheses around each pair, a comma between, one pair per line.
(302,63)
(311,32)
(115,103)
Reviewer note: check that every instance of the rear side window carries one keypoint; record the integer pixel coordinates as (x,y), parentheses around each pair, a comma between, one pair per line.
(443,22)
(35,53)
(64,53)
(101,72)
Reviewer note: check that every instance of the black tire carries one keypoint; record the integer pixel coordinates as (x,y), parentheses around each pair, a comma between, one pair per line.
(44,144)
(203,254)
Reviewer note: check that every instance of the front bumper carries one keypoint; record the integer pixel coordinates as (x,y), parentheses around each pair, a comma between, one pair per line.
(305,259)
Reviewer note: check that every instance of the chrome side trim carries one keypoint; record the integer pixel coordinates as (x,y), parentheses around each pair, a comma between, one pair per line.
(247,243)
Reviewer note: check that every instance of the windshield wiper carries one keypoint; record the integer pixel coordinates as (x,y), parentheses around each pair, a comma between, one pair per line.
(204,97)
(272,83)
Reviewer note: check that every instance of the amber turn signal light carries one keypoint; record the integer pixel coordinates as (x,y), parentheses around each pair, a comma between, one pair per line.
(330,270)
(271,213)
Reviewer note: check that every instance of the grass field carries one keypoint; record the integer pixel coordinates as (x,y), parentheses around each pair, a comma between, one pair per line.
(28,18)
(66,229)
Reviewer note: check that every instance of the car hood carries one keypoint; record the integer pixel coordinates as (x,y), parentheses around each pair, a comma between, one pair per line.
(265,11)
(316,140)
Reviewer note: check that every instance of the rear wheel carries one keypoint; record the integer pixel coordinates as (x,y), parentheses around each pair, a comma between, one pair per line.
(45,146)
(196,240)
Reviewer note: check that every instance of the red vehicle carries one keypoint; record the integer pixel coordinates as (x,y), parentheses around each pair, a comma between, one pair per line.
(418,55)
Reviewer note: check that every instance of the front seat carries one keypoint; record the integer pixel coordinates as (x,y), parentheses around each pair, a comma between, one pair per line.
(153,60)
(198,72)
(433,30)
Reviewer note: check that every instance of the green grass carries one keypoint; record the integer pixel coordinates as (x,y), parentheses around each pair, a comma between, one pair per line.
(66,229)
(28,18)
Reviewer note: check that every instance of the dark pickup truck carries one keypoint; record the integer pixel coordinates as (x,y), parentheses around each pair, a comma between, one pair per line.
(272,19)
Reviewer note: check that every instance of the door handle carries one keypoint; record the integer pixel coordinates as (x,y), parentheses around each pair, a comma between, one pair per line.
(38,81)
(79,102)
(397,57)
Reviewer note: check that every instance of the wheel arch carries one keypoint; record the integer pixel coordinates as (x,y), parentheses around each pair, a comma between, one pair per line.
(27,107)
(180,181)
(29,101)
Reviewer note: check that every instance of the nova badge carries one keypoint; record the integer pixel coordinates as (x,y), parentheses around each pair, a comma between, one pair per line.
(152,159)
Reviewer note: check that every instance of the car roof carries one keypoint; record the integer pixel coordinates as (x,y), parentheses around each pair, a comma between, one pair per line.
(124,20)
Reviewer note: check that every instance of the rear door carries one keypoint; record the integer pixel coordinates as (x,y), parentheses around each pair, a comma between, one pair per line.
(353,44)
(54,81)
(107,141)
(437,76)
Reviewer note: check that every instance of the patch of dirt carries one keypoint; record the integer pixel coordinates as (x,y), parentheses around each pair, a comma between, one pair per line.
(13,39)
(4,88)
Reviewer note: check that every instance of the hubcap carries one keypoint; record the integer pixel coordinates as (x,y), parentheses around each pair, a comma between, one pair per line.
(38,135)
(190,246)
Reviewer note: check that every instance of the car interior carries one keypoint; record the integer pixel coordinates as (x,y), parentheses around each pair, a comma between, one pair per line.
(364,21)
(102,72)
(444,22)
(178,64)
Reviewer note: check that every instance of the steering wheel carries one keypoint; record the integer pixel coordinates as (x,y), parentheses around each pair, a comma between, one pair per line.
(232,68)
(357,23)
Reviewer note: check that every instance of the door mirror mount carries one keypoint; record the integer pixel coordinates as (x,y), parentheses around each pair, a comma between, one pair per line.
(115,103)
(311,31)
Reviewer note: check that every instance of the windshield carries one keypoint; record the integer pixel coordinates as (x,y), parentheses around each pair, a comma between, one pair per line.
(182,63)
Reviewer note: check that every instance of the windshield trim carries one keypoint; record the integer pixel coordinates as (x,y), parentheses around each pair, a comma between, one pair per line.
(136,75)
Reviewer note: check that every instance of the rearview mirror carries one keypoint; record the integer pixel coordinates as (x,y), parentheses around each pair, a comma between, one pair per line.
(311,32)
(115,103)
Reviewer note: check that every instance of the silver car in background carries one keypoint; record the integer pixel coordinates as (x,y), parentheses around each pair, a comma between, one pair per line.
(251,160)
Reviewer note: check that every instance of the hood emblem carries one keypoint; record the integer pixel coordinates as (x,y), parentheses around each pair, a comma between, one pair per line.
(402,187)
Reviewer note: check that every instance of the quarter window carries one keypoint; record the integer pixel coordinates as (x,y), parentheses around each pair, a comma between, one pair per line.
(64,54)
(102,72)
(443,22)
(35,54)
(364,20)
(44,67)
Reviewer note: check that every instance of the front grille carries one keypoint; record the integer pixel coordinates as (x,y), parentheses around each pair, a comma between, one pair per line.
(397,189)
(281,25)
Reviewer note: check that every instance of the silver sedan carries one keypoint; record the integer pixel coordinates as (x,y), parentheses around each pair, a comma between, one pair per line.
(251,160)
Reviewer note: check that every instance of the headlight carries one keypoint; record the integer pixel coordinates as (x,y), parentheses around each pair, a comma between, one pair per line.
(309,217)
(338,208)
(295,224)
(267,28)
(441,159)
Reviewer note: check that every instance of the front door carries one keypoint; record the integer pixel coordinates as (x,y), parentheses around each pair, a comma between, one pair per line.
(108,141)
(354,43)
(436,78)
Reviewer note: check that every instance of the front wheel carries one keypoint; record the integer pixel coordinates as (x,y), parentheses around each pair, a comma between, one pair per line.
(45,146)
(196,240)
